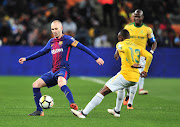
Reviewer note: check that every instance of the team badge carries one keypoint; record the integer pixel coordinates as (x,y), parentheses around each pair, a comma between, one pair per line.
(141,32)
(60,43)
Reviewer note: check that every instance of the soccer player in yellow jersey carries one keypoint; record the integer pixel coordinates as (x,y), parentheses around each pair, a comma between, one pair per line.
(128,76)
(139,34)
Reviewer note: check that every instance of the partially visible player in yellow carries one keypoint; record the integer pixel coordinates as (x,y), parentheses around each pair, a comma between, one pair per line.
(139,34)
(128,76)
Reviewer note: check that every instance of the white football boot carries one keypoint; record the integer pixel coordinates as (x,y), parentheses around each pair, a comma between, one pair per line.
(78,114)
(143,92)
(112,112)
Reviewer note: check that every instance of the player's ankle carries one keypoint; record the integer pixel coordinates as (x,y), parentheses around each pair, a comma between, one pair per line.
(129,105)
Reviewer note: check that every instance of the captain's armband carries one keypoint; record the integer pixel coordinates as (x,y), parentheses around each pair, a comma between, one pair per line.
(74,44)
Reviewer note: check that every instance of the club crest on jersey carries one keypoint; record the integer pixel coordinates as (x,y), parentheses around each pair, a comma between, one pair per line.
(141,32)
(60,43)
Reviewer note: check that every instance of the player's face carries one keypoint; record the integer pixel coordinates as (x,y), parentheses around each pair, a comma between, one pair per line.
(138,19)
(56,29)
(120,38)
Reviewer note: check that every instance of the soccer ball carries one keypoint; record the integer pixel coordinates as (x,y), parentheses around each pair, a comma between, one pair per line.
(46,102)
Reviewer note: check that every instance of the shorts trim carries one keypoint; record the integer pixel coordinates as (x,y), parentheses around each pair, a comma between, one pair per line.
(65,76)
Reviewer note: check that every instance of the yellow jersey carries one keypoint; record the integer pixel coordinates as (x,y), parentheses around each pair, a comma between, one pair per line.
(130,54)
(140,34)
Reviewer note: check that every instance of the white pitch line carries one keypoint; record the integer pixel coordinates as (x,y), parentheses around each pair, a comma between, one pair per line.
(93,80)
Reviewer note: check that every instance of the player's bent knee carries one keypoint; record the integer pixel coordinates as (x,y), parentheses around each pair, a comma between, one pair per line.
(39,83)
(36,85)
(61,84)
(61,81)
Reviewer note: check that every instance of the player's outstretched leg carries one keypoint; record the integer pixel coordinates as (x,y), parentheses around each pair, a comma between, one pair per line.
(69,96)
(141,85)
(37,96)
(96,100)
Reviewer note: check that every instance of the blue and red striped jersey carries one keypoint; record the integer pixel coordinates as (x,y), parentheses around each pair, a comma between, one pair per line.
(60,50)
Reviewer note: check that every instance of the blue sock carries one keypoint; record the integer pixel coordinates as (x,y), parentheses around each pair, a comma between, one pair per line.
(67,93)
(37,96)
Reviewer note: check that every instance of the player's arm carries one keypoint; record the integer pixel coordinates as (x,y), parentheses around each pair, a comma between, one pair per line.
(37,54)
(152,40)
(116,55)
(149,58)
(153,47)
(88,51)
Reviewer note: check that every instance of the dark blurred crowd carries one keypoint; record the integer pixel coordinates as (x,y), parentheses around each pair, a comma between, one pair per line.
(27,22)
(160,15)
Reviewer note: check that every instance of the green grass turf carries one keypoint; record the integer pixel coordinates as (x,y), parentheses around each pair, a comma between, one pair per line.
(160,108)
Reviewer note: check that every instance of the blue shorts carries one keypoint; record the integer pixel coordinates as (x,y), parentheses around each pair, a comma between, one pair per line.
(51,79)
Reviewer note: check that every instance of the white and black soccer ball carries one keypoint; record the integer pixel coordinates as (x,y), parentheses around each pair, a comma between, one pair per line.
(46,102)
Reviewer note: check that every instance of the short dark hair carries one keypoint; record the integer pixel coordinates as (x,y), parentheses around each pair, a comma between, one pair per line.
(124,33)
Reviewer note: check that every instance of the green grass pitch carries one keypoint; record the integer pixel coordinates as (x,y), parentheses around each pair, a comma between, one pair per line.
(160,108)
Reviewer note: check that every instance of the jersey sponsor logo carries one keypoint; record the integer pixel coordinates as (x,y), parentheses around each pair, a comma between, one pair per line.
(60,43)
(137,37)
(54,51)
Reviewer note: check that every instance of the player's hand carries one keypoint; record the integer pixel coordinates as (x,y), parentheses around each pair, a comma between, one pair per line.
(116,55)
(21,60)
(100,61)
(136,66)
(143,74)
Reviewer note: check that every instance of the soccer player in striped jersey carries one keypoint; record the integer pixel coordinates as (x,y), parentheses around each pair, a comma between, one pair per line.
(60,47)
(139,34)
(128,76)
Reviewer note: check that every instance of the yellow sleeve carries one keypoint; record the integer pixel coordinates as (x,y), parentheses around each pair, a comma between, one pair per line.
(150,33)
(149,58)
